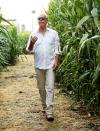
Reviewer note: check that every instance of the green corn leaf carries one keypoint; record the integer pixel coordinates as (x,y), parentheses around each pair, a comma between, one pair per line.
(83,75)
(94,12)
(3,19)
(97,71)
(84,19)
(86,40)
(95,15)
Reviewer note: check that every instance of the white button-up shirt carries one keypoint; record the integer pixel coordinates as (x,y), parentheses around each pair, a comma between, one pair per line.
(45,48)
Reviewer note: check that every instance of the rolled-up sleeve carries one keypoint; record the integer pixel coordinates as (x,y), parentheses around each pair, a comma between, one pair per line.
(57,45)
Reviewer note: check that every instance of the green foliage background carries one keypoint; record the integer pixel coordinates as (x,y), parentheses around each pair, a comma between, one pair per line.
(12,43)
(23,38)
(78,25)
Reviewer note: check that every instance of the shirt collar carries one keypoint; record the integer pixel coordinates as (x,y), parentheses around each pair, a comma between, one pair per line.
(47,29)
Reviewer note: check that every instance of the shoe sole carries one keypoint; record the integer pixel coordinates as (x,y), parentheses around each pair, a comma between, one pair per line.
(50,118)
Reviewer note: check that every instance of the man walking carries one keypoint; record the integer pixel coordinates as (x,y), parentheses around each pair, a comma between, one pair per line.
(44,43)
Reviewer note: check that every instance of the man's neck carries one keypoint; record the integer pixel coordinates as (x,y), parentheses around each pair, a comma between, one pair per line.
(42,29)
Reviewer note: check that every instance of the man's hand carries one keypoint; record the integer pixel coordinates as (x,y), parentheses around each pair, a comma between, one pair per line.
(32,42)
(34,39)
(56,62)
(55,65)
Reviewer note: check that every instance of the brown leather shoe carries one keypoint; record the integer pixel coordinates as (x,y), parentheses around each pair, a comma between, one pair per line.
(49,117)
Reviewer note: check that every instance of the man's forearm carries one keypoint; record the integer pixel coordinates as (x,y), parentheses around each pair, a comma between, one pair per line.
(31,46)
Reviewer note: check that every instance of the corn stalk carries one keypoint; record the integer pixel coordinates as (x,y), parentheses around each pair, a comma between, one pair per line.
(78,25)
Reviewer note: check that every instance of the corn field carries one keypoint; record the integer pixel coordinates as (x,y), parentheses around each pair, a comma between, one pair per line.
(78,25)
(11,43)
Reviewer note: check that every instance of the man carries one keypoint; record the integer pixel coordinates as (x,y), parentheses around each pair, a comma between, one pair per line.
(44,42)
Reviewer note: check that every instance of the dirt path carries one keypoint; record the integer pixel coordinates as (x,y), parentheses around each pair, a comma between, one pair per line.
(20,106)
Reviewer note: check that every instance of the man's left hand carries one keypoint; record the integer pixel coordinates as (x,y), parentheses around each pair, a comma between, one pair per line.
(55,65)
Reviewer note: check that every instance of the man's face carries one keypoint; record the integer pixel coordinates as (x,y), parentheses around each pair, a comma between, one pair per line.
(42,21)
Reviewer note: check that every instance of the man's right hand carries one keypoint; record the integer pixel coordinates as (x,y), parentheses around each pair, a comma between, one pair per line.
(32,42)
(33,39)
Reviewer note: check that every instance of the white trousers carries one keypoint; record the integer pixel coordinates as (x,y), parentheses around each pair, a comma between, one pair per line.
(45,84)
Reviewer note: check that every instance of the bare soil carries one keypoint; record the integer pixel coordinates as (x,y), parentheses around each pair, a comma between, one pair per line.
(20,105)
